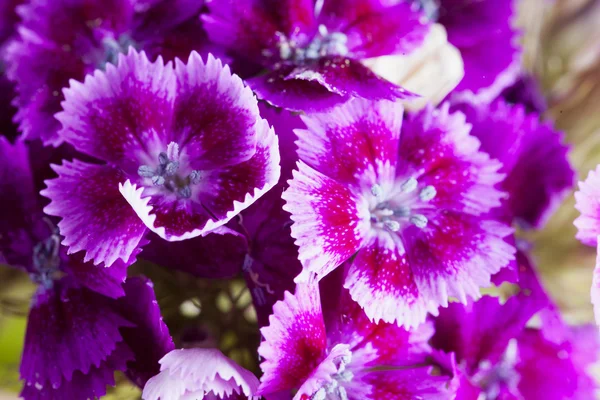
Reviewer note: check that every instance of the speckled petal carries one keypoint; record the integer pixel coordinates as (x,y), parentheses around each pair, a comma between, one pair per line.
(330,222)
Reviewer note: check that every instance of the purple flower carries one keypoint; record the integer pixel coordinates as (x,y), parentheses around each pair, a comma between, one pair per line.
(61,40)
(406,201)
(482,30)
(185,150)
(312,49)
(533,157)
(499,356)
(199,374)
(587,201)
(333,351)
(84,323)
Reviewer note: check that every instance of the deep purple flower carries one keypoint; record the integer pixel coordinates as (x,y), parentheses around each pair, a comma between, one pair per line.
(200,374)
(67,39)
(406,201)
(8,22)
(84,323)
(533,157)
(312,49)
(330,350)
(588,226)
(499,356)
(483,32)
(526,91)
(185,150)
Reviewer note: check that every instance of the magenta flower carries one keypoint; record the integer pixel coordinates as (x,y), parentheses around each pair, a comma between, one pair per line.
(335,352)
(61,40)
(85,323)
(185,150)
(588,226)
(498,356)
(200,374)
(312,49)
(407,202)
(483,31)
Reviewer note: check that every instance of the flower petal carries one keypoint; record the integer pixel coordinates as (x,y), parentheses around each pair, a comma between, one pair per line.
(149,338)
(106,281)
(437,149)
(330,222)
(482,31)
(69,329)
(295,342)
(595,291)
(354,144)
(193,373)
(348,78)
(381,280)
(456,254)
(413,383)
(587,201)
(121,115)
(95,217)
(538,174)
(216,119)
(379,31)
(307,95)
(83,385)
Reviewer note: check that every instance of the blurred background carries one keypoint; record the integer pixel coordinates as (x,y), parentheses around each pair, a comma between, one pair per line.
(561,39)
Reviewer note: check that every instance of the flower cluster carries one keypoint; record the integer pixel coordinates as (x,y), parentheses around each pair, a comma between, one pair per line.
(281,144)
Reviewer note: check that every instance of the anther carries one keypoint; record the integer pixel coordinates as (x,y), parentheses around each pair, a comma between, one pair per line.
(341,392)
(163,158)
(376,191)
(320,394)
(419,220)
(402,212)
(409,186)
(428,193)
(195,177)
(392,225)
(158,180)
(146,171)
(171,168)
(185,192)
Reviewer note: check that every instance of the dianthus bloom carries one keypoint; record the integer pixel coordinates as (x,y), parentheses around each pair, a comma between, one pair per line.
(312,49)
(500,356)
(185,150)
(483,31)
(407,202)
(198,374)
(61,40)
(86,321)
(328,349)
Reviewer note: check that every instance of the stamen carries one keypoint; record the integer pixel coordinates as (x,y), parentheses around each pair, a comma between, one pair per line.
(341,392)
(392,225)
(409,186)
(428,193)
(185,192)
(171,168)
(195,177)
(320,394)
(376,190)
(158,180)
(146,171)
(163,158)
(419,220)
(323,30)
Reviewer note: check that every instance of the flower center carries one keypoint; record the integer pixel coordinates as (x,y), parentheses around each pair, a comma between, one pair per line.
(167,173)
(46,260)
(393,214)
(334,390)
(324,44)
(493,378)
(431,8)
